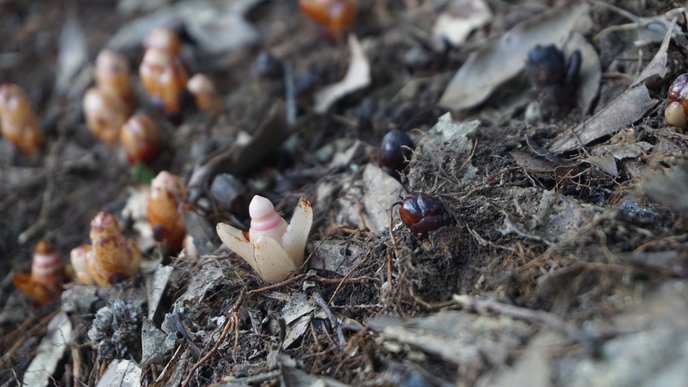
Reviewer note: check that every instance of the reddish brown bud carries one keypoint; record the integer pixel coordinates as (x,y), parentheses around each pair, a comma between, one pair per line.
(112,76)
(140,139)
(167,195)
(204,92)
(17,120)
(105,115)
(43,284)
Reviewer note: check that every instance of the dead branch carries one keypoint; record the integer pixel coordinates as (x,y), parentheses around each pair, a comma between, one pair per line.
(231,321)
(491,306)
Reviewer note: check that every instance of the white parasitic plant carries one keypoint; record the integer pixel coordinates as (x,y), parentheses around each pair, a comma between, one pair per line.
(272,247)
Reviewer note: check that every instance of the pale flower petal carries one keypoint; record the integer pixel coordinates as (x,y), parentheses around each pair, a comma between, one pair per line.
(273,262)
(237,241)
(294,239)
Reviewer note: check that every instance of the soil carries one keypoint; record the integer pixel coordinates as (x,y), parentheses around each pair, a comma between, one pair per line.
(547,260)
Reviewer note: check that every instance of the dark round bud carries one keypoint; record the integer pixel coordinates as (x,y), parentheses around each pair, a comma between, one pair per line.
(395,151)
(423,213)
(545,66)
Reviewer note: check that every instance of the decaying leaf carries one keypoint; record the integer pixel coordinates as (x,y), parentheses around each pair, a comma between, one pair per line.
(293,376)
(590,72)
(651,351)
(73,54)
(297,314)
(459,19)
(488,68)
(623,146)
(196,291)
(456,336)
(626,109)
(447,136)
(532,367)
(532,164)
(668,187)
(356,78)
(154,343)
(370,202)
(49,352)
(123,373)
(156,282)
(219,29)
(646,29)
(604,160)
(657,66)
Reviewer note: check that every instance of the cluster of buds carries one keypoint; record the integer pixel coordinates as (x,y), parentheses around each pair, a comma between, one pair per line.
(109,258)
(162,72)
(44,282)
(18,121)
(166,80)
(108,104)
(164,210)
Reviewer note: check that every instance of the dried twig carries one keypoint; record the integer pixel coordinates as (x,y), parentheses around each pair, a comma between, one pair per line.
(164,373)
(324,280)
(179,326)
(488,306)
(232,321)
(250,380)
(341,341)
(278,285)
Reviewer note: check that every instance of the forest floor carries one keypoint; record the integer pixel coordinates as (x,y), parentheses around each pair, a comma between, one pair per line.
(561,259)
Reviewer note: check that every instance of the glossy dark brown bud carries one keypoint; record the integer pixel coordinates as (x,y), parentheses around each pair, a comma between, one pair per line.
(677,103)
(678,91)
(395,152)
(423,213)
(546,65)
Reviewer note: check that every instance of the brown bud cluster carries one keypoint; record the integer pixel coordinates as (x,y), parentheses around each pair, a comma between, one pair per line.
(108,105)
(44,282)
(162,72)
(164,210)
(18,122)
(109,258)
